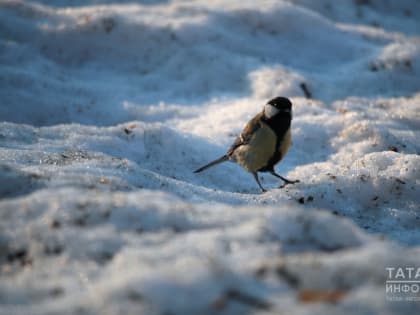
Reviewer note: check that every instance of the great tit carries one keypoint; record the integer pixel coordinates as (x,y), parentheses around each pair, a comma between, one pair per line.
(263,142)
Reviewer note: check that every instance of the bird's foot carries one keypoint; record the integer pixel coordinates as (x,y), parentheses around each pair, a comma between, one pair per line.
(288,182)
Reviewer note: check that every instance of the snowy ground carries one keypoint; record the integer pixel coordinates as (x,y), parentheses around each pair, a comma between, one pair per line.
(106,107)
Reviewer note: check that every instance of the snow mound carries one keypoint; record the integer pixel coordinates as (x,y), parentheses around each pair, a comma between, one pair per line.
(154,252)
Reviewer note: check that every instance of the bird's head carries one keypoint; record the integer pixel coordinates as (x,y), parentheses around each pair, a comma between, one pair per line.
(276,106)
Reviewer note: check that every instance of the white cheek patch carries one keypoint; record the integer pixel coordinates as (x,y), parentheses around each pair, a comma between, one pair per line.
(270,111)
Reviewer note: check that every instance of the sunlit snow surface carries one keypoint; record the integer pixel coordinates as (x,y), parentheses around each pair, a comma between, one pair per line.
(106,108)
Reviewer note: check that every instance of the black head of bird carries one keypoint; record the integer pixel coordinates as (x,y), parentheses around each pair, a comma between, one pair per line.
(263,142)
(278,106)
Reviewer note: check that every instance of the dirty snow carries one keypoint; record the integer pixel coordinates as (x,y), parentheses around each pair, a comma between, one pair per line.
(106,107)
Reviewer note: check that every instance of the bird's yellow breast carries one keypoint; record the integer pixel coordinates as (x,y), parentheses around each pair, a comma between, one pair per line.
(257,152)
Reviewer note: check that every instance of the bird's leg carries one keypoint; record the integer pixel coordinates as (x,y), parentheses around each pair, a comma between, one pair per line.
(286,181)
(258,182)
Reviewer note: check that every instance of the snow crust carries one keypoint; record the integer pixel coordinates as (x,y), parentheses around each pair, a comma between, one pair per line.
(106,108)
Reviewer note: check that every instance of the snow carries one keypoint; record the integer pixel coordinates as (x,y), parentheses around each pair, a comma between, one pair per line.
(106,108)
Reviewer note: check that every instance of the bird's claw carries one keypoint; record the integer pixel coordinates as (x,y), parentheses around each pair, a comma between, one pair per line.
(289,182)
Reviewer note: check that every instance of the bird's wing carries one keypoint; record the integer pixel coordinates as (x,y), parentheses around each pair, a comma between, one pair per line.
(250,128)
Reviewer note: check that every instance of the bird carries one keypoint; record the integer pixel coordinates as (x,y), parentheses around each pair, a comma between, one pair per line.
(263,142)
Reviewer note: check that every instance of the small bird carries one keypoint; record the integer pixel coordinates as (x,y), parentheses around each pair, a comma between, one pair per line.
(263,142)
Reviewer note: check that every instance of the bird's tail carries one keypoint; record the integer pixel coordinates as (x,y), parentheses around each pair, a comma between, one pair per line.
(222,159)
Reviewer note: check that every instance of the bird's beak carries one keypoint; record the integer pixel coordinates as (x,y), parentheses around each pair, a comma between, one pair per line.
(289,111)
